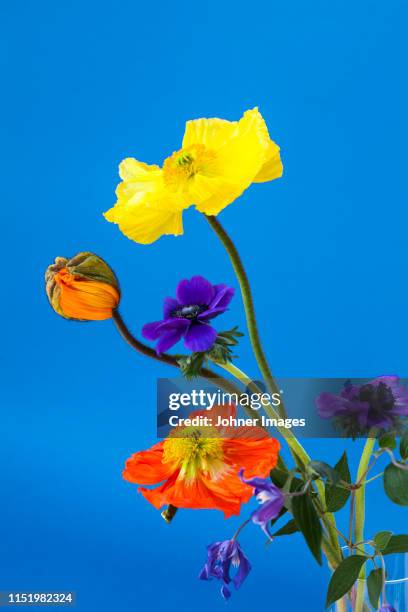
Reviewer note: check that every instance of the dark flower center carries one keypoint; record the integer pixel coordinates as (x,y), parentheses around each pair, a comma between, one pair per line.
(379,397)
(190,312)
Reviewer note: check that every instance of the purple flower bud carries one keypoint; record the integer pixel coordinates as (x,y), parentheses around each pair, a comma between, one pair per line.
(271,501)
(221,557)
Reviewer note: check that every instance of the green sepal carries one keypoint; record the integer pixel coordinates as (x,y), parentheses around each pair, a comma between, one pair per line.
(388,441)
(221,352)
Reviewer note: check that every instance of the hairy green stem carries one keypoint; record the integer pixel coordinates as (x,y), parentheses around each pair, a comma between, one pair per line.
(248,305)
(360,514)
(165,357)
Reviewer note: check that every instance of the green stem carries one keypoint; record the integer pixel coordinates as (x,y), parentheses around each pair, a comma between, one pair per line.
(248,304)
(360,514)
(297,451)
(171,360)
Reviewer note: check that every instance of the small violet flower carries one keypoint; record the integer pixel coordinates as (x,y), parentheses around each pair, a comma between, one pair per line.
(187,316)
(271,499)
(220,557)
(382,404)
(387,608)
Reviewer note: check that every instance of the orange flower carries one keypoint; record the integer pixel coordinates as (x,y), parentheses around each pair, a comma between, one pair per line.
(82,288)
(198,466)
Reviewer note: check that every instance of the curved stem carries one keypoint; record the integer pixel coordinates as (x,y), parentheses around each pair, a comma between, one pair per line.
(270,410)
(165,357)
(240,528)
(168,513)
(360,514)
(296,450)
(248,304)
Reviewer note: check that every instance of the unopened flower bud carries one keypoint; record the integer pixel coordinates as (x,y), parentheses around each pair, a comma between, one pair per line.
(82,288)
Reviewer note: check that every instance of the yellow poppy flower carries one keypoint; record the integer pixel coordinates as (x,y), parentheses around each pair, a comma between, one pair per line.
(218,160)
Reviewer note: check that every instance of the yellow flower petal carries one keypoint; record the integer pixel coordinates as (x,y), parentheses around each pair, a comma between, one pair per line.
(145,223)
(247,155)
(213,133)
(218,161)
(272,168)
(146,209)
(131,169)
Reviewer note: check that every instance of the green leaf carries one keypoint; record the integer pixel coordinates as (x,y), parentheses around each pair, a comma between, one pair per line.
(288,529)
(280,474)
(396,544)
(396,484)
(308,523)
(388,441)
(324,470)
(336,497)
(344,577)
(404,446)
(374,586)
(381,539)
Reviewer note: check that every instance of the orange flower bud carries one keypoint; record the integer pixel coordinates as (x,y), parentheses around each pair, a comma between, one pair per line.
(82,288)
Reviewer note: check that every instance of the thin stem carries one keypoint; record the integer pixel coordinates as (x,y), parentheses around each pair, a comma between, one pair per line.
(169,513)
(297,451)
(248,304)
(165,357)
(351,518)
(342,536)
(384,574)
(360,514)
(401,466)
(374,478)
(236,534)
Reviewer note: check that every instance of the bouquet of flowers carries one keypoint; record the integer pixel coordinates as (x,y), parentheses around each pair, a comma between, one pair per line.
(220,466)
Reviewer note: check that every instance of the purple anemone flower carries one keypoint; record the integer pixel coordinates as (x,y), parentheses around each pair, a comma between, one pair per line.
(387,608)
(220,557)
(187,316)
(381,404)
(271,499)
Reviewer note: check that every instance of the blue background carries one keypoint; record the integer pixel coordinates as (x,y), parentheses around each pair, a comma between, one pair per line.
(86,84)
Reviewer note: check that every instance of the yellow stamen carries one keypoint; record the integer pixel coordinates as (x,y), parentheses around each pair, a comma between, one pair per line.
(192,451)
(185,164)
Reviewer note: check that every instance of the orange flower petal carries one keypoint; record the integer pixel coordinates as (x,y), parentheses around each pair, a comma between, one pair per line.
(256,457)
(226,494)
(85,299)
(225,412)
(146,467)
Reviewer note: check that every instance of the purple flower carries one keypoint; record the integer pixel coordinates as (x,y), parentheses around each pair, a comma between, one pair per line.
(382,404)
(271,499)
(220,557)
(387,608)
(187,317)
